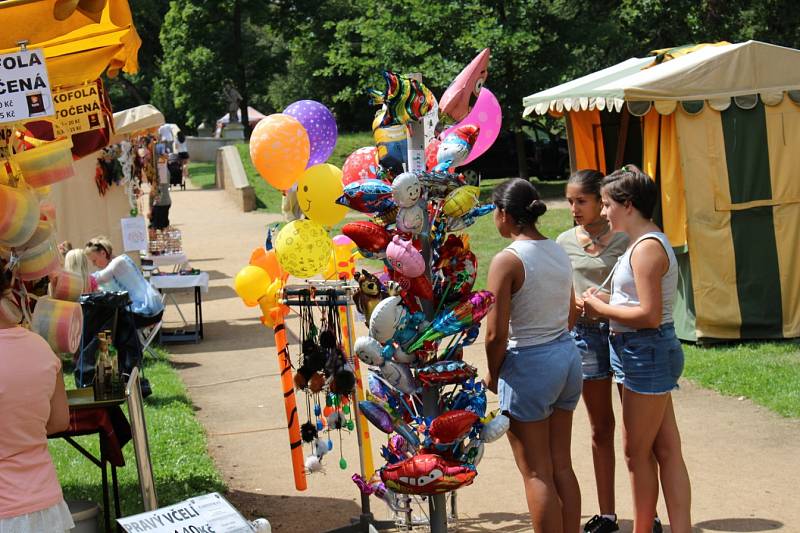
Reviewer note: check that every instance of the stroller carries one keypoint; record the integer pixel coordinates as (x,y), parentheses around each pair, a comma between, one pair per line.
(175,169)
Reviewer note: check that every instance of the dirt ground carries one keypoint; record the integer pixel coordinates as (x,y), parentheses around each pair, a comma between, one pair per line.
(742,459)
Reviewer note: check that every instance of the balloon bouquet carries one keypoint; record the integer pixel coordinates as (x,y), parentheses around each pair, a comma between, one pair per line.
(422,311)
(28,166)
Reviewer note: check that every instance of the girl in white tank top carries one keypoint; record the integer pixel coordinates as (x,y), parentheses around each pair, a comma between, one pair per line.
(646,356)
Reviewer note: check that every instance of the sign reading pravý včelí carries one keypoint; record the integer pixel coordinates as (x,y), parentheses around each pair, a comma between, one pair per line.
(210,513)
(24,86)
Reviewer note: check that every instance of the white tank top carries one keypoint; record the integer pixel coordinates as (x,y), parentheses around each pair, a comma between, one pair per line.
(623,286)
(540,308)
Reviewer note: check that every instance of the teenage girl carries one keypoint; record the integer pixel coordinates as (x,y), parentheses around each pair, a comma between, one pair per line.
(646,356)
(533,362)
(593,250)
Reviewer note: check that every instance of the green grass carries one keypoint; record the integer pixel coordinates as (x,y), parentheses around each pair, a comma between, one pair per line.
(766,373)
(547,189)
(203,175)
(181,464)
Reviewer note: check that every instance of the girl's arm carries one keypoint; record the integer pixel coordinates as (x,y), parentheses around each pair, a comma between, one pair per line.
(59,408)
(500,280)
(107,274)
(649,262)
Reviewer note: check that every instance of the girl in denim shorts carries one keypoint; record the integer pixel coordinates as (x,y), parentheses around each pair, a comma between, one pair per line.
(533,363)
(593,250)
(646,356)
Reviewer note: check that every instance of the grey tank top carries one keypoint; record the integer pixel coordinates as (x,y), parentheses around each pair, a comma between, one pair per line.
(540,308)
(623,286)
(589,271)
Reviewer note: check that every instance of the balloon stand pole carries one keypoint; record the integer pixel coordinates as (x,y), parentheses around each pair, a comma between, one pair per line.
(340,293)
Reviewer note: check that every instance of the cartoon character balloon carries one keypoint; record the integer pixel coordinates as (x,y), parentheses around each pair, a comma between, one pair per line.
(411,219)
(406,189)
(403,257)
(456,147)
(462,94)
(317,191)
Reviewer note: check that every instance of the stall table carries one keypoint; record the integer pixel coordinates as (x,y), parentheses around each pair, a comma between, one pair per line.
(106,419)
(171,283)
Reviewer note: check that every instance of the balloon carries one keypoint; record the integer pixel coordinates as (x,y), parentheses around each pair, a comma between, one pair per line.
(466,87)
(303,248)
(446,373)
(268,260)
(317,191)
(411,220)
(377,415)
(427,474)
(452,426)
(461,201)
(456,147)
(368,350)
(385,318)
(403,99)
(420,286)
(320,125)
(430,154)
(342,264)
(398,376)
(271,310)
(473,452)
(495,428)
(367,235)
(457,318)
(370,292)
(392,145)
(251,284)
(403,257)
(488,116)
(279,149)
(360,165)
(368,196)
(406,189)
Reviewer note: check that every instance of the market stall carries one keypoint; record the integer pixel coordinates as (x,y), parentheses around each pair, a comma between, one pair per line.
(716,126)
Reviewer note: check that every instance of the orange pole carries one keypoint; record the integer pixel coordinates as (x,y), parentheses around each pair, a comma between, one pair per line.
(287,384)
(367,467)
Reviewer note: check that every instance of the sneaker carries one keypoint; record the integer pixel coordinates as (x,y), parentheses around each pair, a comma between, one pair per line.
(657,526)
(600,524)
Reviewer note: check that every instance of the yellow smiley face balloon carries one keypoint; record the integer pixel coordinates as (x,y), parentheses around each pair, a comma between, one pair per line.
(317,191)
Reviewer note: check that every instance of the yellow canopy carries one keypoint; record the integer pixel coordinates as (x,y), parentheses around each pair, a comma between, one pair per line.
(77,49)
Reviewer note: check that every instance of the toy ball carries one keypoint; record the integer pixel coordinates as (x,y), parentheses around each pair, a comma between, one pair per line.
(406,189)
(411,219)
(335,420)
(280,149)
(452,426)
(303,248)
(377,415)
(316,383)
(367,235)
(251,284)
(403,257)
(368,350)
(320,447)
(495,428)
(386,318)
(313,464)
(317,191)
(308,432)
(461,201)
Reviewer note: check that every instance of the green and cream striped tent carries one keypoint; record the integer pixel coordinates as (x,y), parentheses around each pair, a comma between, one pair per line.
(718,127)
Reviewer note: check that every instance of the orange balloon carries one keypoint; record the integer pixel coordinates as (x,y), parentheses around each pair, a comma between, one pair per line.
(268,260)
(279,149)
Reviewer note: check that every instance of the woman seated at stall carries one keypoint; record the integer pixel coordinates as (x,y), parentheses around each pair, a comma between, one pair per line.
(120,273)
(77,262)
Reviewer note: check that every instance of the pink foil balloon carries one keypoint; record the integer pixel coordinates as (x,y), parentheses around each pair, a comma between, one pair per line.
(488,116)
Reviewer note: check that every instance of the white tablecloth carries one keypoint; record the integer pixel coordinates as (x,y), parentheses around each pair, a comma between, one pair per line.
(167,259)
(176,281)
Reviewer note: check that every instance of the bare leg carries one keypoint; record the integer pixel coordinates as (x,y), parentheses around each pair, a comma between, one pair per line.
(530,442)
(674,476)
(597,398)
(563,475)
(642,415)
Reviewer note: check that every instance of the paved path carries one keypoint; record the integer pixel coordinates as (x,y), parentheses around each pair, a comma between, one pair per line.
(743,460)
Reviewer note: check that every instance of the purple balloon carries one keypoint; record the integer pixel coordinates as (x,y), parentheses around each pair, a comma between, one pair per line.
(377,415)
(320,126)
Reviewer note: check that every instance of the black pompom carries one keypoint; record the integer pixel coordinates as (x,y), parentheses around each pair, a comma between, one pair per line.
(314,359)
(327,340)
(306,371)
(344,382)
(308,432)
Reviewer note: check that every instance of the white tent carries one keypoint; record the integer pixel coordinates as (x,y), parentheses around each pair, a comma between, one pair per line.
(81,212)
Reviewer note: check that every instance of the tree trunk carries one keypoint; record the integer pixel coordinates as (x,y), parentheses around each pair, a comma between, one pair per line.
(240,67)
(522,158)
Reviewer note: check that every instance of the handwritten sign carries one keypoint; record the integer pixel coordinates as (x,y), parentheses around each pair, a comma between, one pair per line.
(24,86)
(210,513)
(78,109)
(134,234)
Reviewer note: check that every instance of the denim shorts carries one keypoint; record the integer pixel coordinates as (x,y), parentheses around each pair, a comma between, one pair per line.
(647,361)
(535,380)
(592,343)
